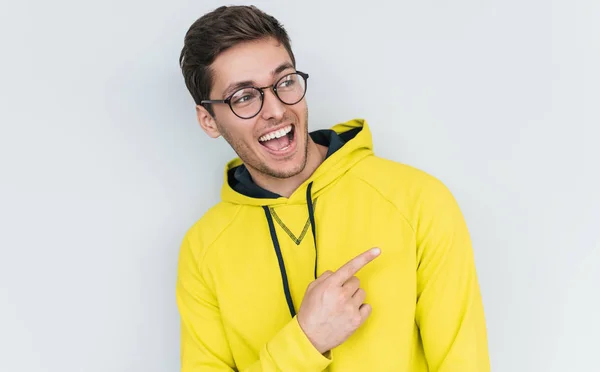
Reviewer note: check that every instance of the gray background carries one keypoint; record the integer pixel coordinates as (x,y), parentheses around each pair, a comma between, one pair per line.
(103,166)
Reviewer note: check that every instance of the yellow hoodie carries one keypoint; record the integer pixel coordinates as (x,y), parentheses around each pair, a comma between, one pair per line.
(245,265)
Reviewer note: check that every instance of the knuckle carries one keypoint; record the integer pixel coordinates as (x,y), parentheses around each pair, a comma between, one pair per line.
(361,292)
(350,308)
(342,298)
(355,320)
(350,282)
(329,291)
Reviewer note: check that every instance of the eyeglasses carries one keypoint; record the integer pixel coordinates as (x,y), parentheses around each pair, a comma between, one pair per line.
(247,102)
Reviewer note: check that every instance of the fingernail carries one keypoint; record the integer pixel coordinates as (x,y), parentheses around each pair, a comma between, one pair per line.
(376,251)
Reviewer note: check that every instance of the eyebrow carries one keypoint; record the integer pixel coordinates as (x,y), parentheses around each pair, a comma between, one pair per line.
(246,83)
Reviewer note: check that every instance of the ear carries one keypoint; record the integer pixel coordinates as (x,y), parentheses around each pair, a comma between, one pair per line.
(207,122)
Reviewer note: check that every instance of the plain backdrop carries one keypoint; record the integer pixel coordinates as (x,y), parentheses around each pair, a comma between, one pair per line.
(103,166)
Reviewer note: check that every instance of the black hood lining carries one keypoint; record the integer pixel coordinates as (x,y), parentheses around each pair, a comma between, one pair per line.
(239,178)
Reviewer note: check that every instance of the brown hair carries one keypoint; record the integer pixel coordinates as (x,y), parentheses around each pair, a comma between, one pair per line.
(217,31)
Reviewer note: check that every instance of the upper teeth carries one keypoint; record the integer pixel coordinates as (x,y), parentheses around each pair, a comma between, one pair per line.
(276,134)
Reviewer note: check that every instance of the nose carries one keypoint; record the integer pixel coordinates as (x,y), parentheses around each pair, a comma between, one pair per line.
(273,108)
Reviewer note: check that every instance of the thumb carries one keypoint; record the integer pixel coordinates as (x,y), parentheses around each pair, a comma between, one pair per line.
(323,276)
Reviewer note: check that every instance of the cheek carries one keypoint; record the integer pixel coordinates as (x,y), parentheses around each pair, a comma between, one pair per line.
(242,132)
(299,110)
(234,129)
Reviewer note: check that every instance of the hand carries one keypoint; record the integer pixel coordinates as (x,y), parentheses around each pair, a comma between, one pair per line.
(333,308)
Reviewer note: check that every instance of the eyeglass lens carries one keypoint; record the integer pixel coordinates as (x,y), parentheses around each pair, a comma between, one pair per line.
(247,102)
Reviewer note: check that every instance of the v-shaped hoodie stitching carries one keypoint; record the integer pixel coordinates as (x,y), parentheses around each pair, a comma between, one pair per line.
(282,224)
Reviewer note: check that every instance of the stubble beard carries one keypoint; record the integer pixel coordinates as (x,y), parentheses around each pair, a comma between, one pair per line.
(245,154)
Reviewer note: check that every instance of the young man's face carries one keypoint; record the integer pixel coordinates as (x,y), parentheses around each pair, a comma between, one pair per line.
(259,63)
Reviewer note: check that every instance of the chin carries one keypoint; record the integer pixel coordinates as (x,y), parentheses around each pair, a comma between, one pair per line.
(287,170)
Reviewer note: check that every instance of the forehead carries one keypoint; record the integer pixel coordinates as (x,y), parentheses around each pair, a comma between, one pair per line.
(248,61)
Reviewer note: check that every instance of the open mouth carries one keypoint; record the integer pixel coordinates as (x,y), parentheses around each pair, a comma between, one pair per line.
(279,141)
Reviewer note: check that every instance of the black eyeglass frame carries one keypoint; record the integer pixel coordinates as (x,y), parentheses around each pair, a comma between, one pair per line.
(262,94)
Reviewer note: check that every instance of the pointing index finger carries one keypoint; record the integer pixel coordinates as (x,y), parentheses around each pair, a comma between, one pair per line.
(354,265)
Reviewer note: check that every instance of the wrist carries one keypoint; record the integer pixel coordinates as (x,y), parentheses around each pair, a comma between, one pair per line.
(291,350)
(317,345)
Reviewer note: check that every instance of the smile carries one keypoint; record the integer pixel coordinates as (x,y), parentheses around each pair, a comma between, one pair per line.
(279,142)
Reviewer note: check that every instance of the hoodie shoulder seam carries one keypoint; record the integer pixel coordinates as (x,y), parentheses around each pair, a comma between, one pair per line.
(388,200)
(209,246)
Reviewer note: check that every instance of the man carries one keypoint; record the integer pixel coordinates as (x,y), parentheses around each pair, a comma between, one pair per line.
(320,255)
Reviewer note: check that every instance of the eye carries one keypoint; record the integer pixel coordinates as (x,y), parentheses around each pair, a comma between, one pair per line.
(243,99)
(244,96)
(287,82)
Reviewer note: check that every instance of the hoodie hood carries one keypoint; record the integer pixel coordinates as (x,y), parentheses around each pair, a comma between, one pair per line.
(348,143)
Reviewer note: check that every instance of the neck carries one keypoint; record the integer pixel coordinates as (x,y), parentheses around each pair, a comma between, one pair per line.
(286,187)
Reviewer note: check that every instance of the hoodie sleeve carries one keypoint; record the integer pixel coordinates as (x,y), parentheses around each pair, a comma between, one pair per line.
(204,345)
(449,310)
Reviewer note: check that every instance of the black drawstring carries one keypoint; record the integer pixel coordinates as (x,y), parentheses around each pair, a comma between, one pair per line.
(286,286)
(284,279)
(311,216)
